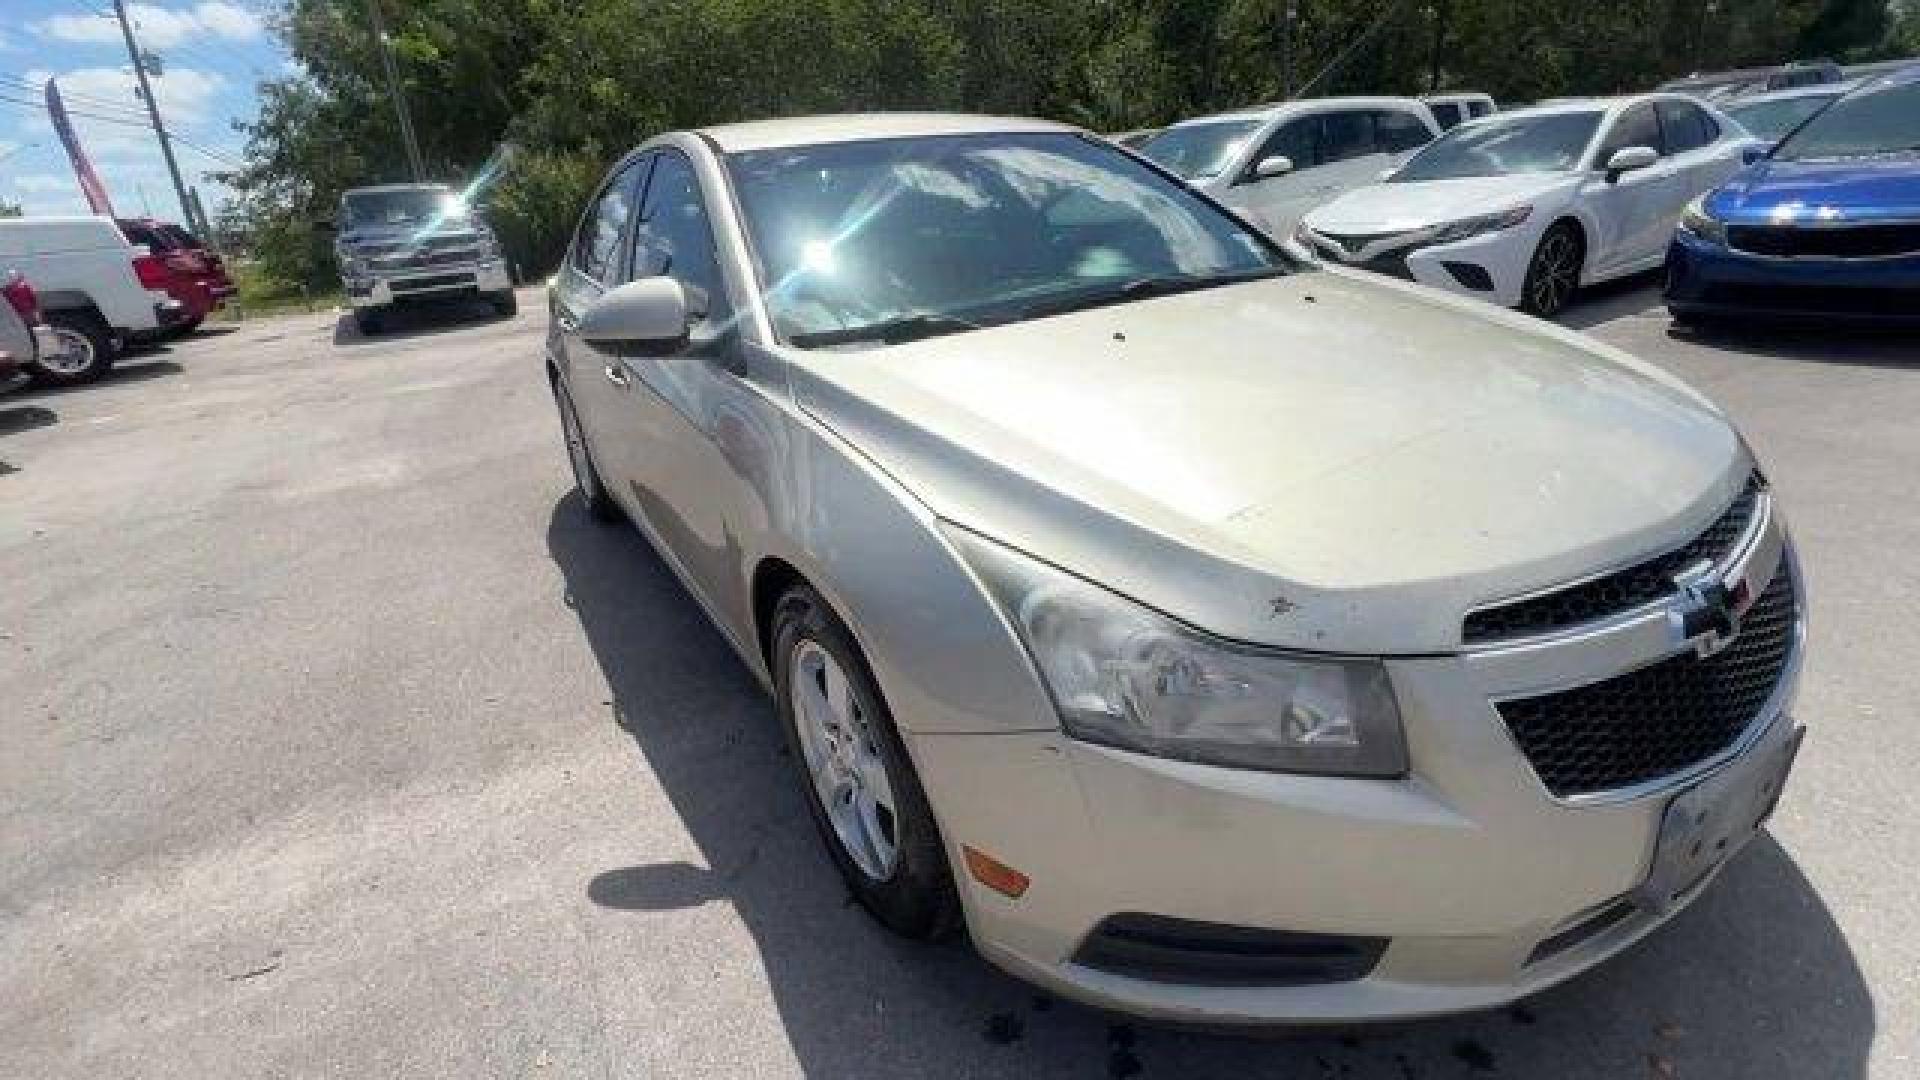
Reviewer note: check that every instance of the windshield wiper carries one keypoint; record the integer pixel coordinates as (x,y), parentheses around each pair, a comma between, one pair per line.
(893,331)
(1142,288)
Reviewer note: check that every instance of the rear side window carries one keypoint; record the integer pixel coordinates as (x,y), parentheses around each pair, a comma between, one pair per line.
(1687,128)
(1396,132)
(140,234)
(597,247)
(1480,108)
(1448,113)
(1637,126)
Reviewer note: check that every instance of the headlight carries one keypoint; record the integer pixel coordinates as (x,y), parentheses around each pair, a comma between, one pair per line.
(1696,220)
(1485,223)
(1123,675)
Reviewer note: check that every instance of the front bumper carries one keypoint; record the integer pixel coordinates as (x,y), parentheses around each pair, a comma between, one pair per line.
(1707,279)
(392,287)
(1491,267)
(1485,886)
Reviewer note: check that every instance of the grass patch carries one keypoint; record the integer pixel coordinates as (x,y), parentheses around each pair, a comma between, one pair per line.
(262,294)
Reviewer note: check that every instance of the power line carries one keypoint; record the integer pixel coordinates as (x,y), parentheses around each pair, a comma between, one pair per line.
(91,101)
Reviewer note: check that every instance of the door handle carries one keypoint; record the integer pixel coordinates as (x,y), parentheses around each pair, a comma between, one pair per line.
(615,375)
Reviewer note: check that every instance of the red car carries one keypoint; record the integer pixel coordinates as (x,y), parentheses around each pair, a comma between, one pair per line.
(194,275)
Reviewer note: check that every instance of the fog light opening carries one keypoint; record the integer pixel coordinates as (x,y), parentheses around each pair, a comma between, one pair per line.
(995,874)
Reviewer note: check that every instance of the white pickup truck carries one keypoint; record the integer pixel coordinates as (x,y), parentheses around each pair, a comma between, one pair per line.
(98,292)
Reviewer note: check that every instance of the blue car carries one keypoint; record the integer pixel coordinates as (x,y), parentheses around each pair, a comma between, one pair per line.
(1826,227)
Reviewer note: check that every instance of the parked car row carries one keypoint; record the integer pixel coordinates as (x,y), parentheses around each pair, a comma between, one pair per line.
(1794,201)
(1215,636)
(102,286)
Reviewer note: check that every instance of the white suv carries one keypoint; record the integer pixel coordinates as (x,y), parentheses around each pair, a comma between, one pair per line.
(1274,163)
(98,292)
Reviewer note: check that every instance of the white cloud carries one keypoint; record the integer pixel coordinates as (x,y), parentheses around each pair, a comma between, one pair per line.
(158,27)
(185,94)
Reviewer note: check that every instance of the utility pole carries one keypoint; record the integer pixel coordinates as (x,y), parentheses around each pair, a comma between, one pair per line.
(393,88)
(1286,48)
(153,109)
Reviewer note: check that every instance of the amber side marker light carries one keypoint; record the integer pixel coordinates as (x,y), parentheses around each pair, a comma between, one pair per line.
(995,874)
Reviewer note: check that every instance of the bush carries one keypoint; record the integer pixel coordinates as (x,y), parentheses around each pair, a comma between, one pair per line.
(535,205)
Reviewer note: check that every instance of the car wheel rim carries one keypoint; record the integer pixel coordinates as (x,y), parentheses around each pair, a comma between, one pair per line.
(843,761)
(75,355)
(576,445)
(1556,266)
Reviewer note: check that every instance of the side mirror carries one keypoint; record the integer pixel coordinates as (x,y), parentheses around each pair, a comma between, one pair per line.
(644,316)
(1755,151)
(1628,158)
(1269,167)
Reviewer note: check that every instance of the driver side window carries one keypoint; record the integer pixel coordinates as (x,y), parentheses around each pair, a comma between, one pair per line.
(673,237)
(1637,126)
(1298,140)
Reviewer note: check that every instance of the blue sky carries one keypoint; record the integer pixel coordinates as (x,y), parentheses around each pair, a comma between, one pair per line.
(214,53)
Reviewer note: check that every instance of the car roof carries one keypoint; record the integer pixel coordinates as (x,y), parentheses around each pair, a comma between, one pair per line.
(1261,112)
(1595,104)
(1896,77)
(1463,95)
(858,127)
(1832,89)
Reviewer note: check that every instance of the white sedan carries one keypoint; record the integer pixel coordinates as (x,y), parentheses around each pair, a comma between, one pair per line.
(1523,208)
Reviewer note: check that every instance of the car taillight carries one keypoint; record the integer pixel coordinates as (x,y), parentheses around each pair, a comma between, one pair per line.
(151,270)
(21,295)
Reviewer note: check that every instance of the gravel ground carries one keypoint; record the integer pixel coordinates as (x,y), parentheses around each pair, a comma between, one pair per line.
(338,741)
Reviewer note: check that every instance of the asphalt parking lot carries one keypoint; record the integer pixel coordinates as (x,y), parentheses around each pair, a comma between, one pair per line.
(338,740)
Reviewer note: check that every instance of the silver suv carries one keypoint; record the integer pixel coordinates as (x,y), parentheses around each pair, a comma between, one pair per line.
(400,243)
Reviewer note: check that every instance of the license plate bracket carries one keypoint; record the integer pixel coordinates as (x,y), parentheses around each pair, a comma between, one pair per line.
(1707,823)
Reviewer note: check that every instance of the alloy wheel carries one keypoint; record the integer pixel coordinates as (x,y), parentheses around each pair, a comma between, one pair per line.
(75,356)
(1556,271)
(843,761)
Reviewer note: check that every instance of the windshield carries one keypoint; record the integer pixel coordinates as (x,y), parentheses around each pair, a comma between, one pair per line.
(1870,123)
(953,232)
(1197,151)
(1550,142)
(1771,120)
(401,206)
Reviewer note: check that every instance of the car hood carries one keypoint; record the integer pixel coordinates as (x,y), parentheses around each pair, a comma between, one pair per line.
(1383,208)
(1875,189)
(1321,461)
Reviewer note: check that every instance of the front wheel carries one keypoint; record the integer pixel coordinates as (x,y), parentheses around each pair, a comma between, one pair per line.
(85,354)
(505,303)
(367,320)
(1553,275)
(585,476)
(860,785)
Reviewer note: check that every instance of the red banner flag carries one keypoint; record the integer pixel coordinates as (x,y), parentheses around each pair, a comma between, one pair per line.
(90,184)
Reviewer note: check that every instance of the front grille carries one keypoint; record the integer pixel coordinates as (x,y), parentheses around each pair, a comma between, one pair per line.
(1623,590)
(439,281)
(1662,719)
(1869,241)
(1814,299)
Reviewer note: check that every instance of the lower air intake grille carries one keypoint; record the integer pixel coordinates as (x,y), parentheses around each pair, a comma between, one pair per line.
(1662,719)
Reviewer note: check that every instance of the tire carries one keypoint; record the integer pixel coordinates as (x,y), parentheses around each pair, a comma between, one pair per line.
(367,320)
(586,476)
(505,304)
(88,351)
(1553,274)
(860,785)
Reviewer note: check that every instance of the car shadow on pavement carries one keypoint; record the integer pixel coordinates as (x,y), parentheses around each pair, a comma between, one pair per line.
(415,320)
(129,369)
(14,420)
(1822,343)
(1755,980)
